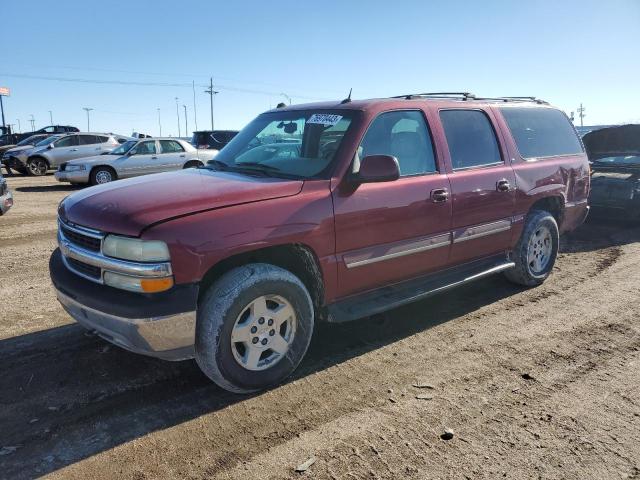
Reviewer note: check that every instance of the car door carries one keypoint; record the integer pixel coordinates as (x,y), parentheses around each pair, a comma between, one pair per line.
(88,145)
(140,159)
(392,231)
(482,185)
(63,150)
(172,156)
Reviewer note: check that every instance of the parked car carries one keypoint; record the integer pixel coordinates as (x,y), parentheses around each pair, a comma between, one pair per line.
(133,158)
(614,153)
(28,143)
(213,139)
(69,147)
(16,158)
(6,199)
(235,262)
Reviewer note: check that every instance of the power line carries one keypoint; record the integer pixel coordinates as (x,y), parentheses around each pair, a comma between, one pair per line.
(151,84)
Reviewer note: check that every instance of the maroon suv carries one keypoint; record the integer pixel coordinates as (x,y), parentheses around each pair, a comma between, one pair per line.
(319,212)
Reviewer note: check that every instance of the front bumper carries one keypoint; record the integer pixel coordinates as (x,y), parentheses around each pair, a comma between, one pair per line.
(159,325)
(6,202)
(78,176)
(17,162)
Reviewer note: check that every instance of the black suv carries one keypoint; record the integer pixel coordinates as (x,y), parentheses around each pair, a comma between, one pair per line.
(215,139)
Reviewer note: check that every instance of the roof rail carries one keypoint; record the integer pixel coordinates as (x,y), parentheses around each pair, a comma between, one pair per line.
(515,99)
(463,95)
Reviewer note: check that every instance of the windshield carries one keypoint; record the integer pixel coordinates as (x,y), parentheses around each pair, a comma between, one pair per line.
(294,144)
(124,148)
(47,140)
(623,160)
(32,140)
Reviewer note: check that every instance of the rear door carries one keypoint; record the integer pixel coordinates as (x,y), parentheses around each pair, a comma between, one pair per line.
(393,231)
(88,145)
(482,185)
(172,156)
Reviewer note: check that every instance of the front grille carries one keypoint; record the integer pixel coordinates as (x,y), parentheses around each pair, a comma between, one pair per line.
(81,267)
(62,167)
(82,241)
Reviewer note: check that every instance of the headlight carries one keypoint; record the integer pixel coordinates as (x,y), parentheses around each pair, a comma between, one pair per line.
(75,168)
(137,284)
(135,249)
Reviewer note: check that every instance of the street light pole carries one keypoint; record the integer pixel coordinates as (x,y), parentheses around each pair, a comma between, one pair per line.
(287,97)
(87,109)
(178,116)
(159,122)
(211,93)
(186,122)
(33,123)
(51,117)
(19,127)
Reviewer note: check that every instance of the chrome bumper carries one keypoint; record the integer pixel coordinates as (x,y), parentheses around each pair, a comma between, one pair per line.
(81,176)
(6,202)
(170,337)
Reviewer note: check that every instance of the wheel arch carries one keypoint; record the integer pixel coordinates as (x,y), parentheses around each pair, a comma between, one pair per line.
(554,204)
(33,157)
(297,258)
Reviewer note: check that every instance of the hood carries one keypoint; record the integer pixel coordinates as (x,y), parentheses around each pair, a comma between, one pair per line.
(92,159)
(612,142)
(21,148)
(128,206)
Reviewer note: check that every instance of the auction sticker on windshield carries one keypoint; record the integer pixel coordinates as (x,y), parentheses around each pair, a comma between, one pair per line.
(326,119)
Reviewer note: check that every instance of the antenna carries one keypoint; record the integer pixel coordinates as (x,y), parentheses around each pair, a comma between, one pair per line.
(348,99)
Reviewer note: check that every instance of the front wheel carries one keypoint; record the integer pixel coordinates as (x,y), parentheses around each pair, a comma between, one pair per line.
(102,175)
(37,167)
(536,251)
(253,328)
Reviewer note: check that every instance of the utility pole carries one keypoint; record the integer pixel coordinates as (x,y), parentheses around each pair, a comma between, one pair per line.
(211,93)
(33,123)
(186,121)
(581,114)
(178,116)
(195,112)
(87,109)
(159,122)
(19,127)
(51,117)
(2,109)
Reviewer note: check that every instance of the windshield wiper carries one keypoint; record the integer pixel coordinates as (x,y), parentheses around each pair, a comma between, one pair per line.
(215,165)
(258,166)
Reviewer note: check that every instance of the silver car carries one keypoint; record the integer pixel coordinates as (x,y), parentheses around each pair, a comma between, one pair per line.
(68,147)
(133,158)
(16,157)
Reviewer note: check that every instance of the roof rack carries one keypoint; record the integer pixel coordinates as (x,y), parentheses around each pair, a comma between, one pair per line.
(514,99)
(463,95)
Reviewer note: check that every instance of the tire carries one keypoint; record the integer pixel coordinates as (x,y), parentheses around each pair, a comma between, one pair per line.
(37,166)
(227,307)
(101,175)
(536,251)
(193,164)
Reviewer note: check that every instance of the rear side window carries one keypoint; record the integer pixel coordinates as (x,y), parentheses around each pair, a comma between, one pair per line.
(541,132)
(404,135)
(170,146)
(87,139)
(471,139)
(70,141)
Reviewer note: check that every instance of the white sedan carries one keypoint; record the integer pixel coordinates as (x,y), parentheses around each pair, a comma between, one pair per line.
(133,158)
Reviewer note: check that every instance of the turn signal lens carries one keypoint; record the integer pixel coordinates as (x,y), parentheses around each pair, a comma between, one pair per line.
(153,285)
(137,284)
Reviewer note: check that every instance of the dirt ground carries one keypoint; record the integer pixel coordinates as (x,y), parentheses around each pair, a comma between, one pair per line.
(540,383)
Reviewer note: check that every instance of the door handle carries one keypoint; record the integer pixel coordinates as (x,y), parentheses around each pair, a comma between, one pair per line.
(154,158)
(503,185)
(182,156)
(73,150)
(439,195)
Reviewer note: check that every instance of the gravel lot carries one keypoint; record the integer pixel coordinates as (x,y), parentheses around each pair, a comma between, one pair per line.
(541,383)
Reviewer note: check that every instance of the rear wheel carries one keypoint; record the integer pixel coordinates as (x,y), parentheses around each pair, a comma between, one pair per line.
(253,328)
(193,164)
(37,166)
(536,251)
(100,175)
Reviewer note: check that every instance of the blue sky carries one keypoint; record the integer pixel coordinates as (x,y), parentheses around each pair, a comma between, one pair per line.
(566,52)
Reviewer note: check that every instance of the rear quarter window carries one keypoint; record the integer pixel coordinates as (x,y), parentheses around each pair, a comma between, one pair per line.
(541,132)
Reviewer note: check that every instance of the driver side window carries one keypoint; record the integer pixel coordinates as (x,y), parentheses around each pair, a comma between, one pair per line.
(145,148)
(403,135)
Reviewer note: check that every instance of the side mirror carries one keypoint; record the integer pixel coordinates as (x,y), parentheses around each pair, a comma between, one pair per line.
(130,153)
(377,168)
(50,146)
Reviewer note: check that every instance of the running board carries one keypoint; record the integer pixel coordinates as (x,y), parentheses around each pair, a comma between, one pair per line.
(386,298)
